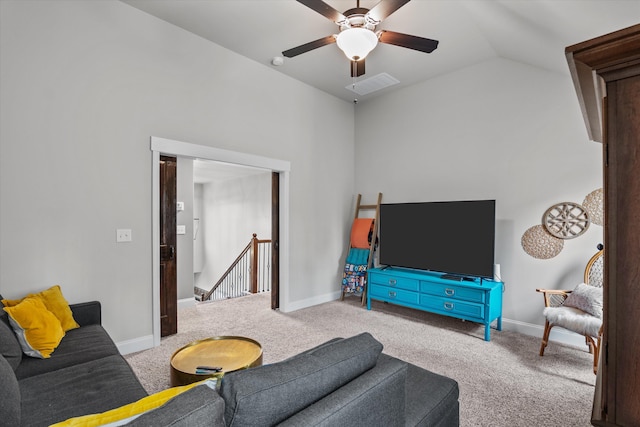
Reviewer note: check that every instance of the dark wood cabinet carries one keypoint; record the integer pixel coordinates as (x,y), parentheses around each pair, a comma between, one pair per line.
(606,73)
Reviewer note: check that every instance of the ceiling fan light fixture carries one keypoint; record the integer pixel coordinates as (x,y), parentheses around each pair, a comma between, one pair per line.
(356,43)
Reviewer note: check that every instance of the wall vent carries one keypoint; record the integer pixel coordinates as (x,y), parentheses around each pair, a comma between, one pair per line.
(372,84)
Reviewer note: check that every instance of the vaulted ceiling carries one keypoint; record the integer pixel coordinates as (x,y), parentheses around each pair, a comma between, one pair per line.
(535,32)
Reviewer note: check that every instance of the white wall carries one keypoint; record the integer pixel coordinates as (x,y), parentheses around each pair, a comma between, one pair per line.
(84,84)
(498,130)
(232,210)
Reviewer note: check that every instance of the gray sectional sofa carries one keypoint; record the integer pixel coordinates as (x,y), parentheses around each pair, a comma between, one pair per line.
(344,382)
(84,375)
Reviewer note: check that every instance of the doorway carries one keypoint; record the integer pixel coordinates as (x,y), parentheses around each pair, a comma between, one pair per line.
(229,205)
(279,168)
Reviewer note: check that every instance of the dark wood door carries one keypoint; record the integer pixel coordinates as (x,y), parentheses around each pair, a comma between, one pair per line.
(614,60)
(622,207)
(168,256)
(275,240)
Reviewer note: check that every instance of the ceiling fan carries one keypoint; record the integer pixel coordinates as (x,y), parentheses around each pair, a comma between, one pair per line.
(358,35)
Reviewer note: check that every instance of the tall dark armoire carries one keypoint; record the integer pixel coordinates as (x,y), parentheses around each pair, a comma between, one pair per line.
(606,74)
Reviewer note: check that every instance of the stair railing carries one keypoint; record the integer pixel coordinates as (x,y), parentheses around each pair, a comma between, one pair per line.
(249,273)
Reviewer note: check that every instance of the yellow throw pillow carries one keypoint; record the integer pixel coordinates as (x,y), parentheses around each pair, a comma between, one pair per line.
(127,413)
(55,303)
(38,330)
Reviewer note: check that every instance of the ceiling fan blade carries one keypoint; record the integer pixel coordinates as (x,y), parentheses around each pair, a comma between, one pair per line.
(324,9)
(411,42)
(357,68)
(309,46)
(382,10)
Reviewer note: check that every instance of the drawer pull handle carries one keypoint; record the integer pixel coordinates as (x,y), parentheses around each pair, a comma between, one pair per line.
(392,294)
(393,282)
(448,306)
(449,292)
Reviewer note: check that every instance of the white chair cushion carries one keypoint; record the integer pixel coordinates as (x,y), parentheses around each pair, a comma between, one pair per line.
(573,319)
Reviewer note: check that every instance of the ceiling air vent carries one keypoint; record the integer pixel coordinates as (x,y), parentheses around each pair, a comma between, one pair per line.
(373,84)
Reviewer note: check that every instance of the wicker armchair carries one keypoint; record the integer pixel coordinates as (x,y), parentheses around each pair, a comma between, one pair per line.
(574,319)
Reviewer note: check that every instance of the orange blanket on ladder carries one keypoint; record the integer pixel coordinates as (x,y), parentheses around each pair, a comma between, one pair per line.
(360,232)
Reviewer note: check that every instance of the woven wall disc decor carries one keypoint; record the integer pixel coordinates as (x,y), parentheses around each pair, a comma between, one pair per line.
(594,204)
(566,220)
(538,243)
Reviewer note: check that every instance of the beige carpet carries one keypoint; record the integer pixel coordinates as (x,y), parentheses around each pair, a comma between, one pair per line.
(502,383)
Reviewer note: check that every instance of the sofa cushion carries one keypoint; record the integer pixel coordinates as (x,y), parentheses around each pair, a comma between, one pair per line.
(199,406)
(131,411)
(55,302)
(38,330)
(9,395)
(375,398)
(95,386)
(78,346)
(269,394)
(9,345)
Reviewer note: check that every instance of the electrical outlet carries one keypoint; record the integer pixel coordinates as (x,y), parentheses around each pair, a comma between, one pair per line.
(123,235)
(181,229)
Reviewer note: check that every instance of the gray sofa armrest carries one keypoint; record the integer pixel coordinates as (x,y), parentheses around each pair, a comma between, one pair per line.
(432,399)
(199,406)
(375,398)
(87,313)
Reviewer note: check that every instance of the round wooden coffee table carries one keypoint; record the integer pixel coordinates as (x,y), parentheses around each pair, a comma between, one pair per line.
(228,353)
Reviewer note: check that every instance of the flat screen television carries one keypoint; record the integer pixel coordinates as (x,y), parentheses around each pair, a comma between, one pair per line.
(456,237)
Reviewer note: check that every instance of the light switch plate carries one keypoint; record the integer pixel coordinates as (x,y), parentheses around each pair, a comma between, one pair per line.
(181,229)
(179,206)
(123,235)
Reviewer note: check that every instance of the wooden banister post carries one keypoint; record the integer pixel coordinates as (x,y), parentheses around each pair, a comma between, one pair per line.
(254,264)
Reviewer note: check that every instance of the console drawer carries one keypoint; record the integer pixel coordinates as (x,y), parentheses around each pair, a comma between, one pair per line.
(448,305)
(393,294)
(452,291)
(395,282)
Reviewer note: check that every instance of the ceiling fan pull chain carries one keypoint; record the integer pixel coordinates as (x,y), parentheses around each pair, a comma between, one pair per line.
(354,79)
(354,68)
(353,73)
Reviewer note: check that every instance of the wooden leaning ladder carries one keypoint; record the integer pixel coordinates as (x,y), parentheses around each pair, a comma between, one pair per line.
(360,207)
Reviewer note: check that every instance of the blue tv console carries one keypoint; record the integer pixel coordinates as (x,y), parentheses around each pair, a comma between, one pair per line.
(477,300)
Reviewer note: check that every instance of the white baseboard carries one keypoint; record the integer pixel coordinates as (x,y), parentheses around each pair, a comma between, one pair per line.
(186,303)
(557,334)
(146,342)
(135,344)
(309,302)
